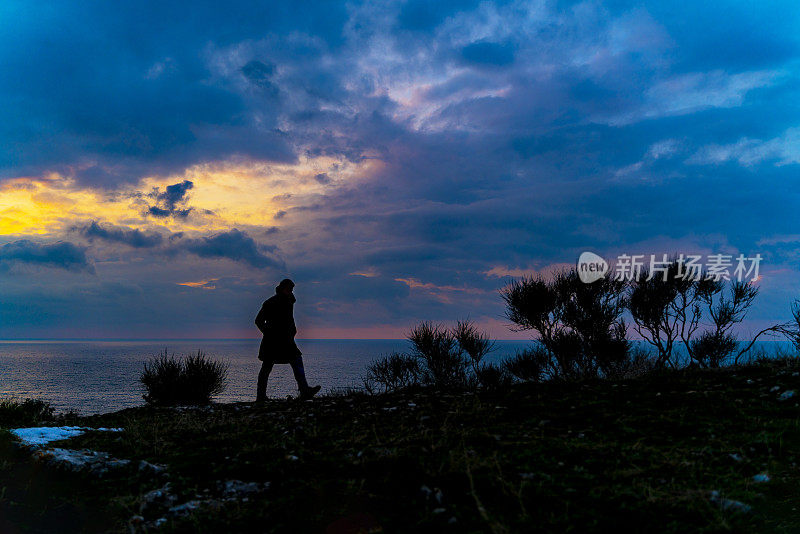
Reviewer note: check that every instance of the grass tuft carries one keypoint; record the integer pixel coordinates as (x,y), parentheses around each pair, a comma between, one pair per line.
(28,412)
(168,380)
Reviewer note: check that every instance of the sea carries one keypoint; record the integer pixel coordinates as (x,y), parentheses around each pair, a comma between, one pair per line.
(102,376)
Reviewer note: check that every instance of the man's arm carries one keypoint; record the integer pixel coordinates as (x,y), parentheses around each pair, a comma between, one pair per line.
(261,319)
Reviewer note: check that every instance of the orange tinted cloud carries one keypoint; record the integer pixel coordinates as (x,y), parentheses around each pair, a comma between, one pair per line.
(440,293)
(366,273)
(201,283)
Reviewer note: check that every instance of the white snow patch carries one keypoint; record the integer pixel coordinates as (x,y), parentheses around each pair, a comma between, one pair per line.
(37,438)
(98,462)
(42,435)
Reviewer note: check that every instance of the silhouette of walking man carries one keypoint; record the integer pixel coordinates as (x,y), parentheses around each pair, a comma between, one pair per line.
(276,322)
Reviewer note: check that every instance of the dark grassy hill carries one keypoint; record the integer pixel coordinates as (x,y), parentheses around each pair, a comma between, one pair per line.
(639,455)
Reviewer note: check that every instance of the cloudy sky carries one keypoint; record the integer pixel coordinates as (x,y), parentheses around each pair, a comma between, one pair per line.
(164,164)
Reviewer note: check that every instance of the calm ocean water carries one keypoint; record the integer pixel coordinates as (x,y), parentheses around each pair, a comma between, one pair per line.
(102,376)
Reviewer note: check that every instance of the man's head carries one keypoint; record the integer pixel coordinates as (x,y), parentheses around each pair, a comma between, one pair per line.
(285,287)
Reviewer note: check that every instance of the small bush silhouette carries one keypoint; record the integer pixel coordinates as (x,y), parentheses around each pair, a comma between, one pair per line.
(396,371)
(195,379)
(639,363)
(444,365)
(440,357)
(579,325)
(711,349)
(491,376)
(25,413)
(530,365)
(694,310)
(791,329)
(473,342)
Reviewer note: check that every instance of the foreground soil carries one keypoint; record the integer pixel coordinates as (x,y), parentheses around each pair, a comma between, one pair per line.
(670,452)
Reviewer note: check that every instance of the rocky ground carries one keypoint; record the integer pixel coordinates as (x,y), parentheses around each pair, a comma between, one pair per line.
(681,451)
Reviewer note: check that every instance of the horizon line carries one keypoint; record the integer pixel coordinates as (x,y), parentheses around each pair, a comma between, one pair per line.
(77,339)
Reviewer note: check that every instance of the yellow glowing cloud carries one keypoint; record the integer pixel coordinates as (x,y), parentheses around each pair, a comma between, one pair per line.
(42,205)
(225,195)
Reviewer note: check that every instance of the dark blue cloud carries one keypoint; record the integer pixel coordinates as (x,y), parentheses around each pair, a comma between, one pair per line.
(61,255)
(234,245)
(259,74)
(152,91)
(134,96)
(131,237)
(424,15)
(487,53)
(747,36)
(162,213)
(173,194)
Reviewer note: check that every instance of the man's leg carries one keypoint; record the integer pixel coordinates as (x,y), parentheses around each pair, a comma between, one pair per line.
(306,392)
(299,373)
(263,375)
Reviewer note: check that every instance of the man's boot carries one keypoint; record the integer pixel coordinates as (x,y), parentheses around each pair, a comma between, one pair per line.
(308,392)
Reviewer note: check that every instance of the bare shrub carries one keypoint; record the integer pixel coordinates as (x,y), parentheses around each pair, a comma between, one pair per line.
(26,412)
(669,308)
(474,343)
(440,357)
(170,380)
(638,363)
(579,325)
(530,365)
(443,363)
(491,376)
(394,372)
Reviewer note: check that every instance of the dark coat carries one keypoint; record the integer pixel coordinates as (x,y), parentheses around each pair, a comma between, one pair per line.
(276,322)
